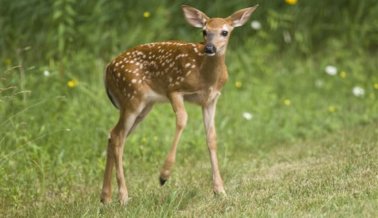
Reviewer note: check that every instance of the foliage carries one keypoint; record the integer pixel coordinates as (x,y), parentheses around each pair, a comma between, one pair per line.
(303,70)
(103,27)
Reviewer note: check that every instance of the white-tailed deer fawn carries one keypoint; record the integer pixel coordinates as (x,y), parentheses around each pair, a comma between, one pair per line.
(175,72)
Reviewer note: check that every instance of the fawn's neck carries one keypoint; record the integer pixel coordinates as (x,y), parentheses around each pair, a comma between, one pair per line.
(213,69)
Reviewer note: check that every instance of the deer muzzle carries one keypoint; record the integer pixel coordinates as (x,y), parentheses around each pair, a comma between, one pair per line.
(210,49)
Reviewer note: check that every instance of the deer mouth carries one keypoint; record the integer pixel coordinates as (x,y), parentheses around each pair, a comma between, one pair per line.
(210,54)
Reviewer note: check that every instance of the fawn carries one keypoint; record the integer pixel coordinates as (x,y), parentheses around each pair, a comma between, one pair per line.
(170,71)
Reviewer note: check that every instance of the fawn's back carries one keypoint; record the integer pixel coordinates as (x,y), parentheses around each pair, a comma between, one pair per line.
(156,69)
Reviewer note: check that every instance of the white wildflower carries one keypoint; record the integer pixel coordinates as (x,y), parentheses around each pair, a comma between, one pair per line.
(287,37)
(256,25)
(46,73)
(358,91)
(247,115)
(331,70)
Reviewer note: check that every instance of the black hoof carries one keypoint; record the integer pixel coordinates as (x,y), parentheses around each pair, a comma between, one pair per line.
(162,181)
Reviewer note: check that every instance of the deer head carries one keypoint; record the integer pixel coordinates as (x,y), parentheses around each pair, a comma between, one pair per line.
(216,31)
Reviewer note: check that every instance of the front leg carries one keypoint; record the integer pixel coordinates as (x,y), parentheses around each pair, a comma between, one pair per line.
(177,101)
(208,112)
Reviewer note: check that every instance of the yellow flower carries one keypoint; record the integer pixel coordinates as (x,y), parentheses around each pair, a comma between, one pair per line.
(72,83)
(343,74)
(287,102)
(332,109)
(7,61)
(375,85)
(238,84)
(146,14)
(291,2)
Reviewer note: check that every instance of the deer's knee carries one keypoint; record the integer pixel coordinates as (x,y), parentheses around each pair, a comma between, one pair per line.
(181,119)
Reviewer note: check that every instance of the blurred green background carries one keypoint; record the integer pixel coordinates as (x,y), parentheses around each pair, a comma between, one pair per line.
(299,70)
(55,29)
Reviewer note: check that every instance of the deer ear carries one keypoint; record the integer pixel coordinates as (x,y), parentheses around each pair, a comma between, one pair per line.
(240,17)
(194,16)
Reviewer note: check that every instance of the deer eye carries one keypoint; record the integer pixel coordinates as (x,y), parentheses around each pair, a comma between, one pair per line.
(224,33)
(204,33)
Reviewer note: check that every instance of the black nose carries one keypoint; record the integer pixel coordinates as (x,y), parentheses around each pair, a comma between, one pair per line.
(210,49)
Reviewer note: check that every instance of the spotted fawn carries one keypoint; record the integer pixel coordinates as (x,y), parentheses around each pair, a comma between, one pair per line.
(172,72)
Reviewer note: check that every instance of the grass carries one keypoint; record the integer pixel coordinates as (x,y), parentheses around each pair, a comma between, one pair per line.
(310,148)
(333,176)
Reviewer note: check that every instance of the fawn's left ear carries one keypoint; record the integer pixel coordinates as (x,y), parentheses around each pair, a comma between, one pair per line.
(241,16)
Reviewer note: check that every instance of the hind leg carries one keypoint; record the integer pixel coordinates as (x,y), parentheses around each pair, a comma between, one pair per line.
(140,117)
(106,194)
(115,156)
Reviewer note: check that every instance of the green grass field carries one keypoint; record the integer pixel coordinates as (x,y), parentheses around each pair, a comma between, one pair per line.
(308,150)
(297,121)
(333,176)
